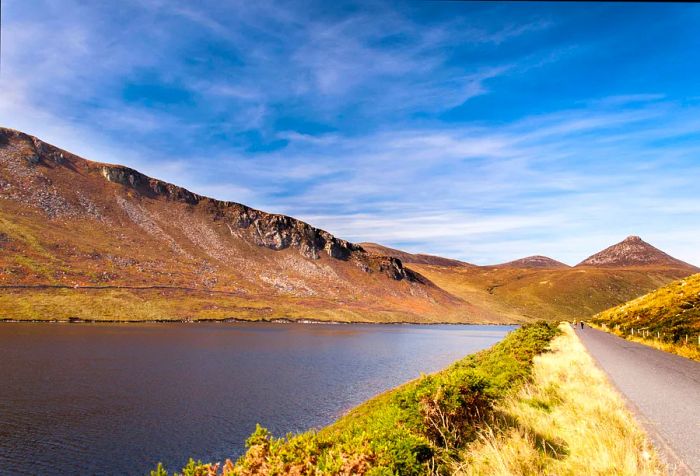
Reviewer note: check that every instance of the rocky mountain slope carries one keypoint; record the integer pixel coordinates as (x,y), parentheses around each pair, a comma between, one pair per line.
(82,239)
(633,251)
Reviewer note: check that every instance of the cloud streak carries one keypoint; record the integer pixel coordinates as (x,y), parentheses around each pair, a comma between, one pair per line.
(481,132)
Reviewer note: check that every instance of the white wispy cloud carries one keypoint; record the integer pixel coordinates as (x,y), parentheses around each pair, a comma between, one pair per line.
(339,119)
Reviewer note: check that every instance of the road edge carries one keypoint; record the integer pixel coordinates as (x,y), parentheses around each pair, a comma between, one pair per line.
(674,464)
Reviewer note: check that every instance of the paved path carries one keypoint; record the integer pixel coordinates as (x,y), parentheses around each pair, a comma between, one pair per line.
(664,390)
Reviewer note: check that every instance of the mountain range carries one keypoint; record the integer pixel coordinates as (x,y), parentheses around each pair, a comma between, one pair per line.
(540,287)
(83,240)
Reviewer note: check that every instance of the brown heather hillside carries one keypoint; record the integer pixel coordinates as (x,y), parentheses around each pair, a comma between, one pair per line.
(81,239)
(538,287)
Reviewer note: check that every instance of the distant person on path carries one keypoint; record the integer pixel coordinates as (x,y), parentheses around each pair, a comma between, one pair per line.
(581,324)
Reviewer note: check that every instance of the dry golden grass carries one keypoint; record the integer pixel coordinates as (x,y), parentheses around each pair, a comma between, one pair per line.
(177,304)
(689,351)
(667,318)
(567,421)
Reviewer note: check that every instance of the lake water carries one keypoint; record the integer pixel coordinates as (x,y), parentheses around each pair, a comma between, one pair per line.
(118,398)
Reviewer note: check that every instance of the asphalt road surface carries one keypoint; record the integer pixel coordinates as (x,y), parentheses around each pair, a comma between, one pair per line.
(662,388)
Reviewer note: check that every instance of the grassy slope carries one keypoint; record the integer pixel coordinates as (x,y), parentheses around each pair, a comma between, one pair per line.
(526,294)
(414,429)
(136,305)
(567,421)
(662,318)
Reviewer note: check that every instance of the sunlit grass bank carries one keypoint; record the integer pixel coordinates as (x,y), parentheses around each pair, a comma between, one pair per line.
(668,318)
(689,349)
(568,420)
(515,409)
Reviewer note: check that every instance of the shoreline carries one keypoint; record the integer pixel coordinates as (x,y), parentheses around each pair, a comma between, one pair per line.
(518,407)
(389,431)
(235,320)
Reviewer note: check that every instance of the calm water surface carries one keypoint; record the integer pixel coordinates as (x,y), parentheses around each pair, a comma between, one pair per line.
(118,398)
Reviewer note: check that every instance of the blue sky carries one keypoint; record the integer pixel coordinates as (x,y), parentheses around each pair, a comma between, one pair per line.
(482,131)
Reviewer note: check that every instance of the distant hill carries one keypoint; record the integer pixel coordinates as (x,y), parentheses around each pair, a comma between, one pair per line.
(542,293)
(406,257)
(533,262)
(87,240)
(633,251)
(542,288)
